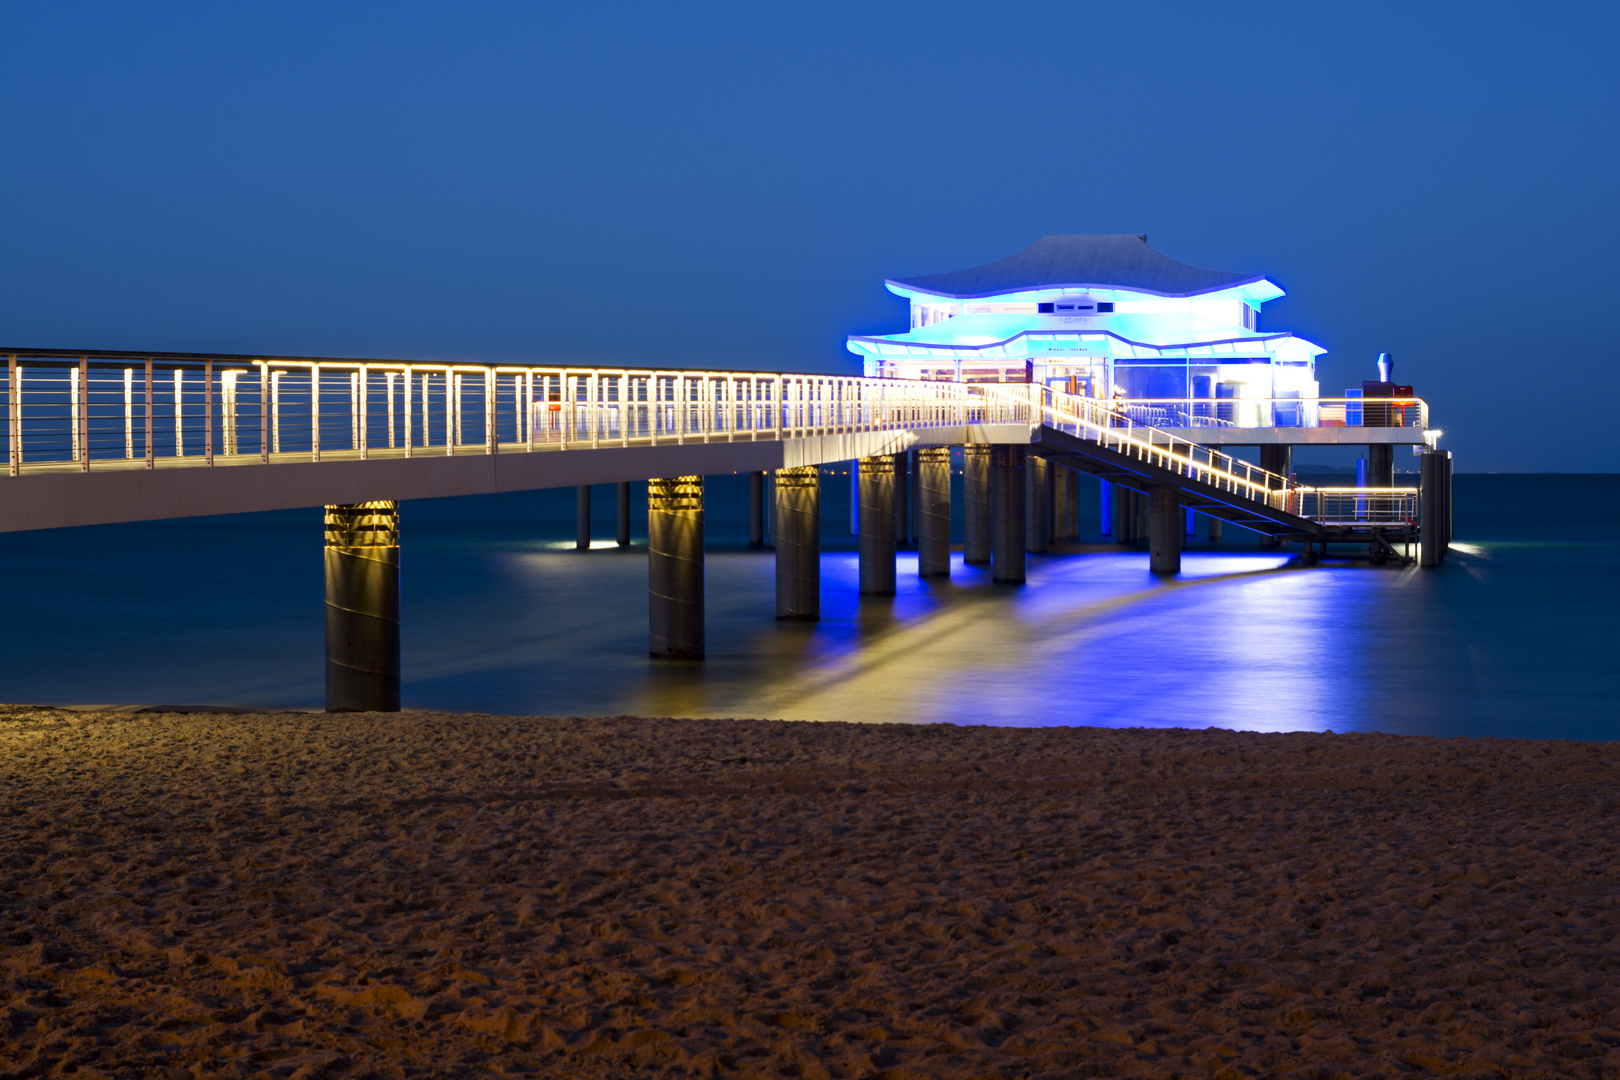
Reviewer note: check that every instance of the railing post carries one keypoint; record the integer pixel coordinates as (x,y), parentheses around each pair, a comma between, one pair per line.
(315,411)
(151,452)
(208,412)
(361,439)
(81,415)
(492,435)
(410,418)
(528,411)
(179,407)
(264,412)
(14,418)
(227,410)
(129,414)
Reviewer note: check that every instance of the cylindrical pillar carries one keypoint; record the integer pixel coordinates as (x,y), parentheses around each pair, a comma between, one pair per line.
(1072,525)
(756,509)
(1215,529)
(1166,526)
(1381,466)
(1058,479)
(582,517)
(624,513)
(1451,517)
(902,499)
(1035,495)
(934,512)
(1431,543)
(877,526)
(1007,522)
(798,543)
(976,504)
(675,567)
(1276,459)
(362,607)
(1124,515)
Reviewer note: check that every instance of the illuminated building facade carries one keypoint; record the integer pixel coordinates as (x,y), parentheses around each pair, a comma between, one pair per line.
(1109,317)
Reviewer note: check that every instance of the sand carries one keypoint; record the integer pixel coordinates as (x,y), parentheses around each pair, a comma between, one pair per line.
(432,895)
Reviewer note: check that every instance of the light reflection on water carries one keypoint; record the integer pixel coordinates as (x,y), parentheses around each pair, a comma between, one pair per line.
(1511,637)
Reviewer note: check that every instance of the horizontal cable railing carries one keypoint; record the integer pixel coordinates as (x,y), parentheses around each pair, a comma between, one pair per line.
(65,412)
(1290,412)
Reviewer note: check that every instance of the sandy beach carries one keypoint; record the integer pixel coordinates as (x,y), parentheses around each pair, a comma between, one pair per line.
(437,895)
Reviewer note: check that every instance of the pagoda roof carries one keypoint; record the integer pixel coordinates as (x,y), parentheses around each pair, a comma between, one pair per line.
(1058,262)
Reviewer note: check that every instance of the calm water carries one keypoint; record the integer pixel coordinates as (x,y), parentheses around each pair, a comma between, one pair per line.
(1513,637)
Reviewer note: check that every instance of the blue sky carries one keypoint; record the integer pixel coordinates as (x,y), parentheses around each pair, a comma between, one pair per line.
(728,184)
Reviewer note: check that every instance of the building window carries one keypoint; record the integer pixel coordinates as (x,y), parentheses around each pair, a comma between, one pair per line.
(1104,307)
(1044,309)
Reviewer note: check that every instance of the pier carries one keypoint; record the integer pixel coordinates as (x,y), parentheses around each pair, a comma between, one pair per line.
(106,437)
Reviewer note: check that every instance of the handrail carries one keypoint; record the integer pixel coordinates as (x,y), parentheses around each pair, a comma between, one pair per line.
(1304,412)
(75,412)
(1110,426)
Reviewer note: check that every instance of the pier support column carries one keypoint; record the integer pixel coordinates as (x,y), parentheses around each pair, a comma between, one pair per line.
(1073,484)
(798,543)
(675,567)
(756,509)
(582,517)
(877,526)
(624,514)
(1277,459)
(976,504)
(1434,506)
(1007,513)
(1036,493)
(1166,527)
(1124,515)
(934,512)
(902,499)
(1215,529)
(1062,501)
(362,607)
(1381,466)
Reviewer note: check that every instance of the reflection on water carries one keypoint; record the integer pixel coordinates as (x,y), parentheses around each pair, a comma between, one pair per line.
(501,615)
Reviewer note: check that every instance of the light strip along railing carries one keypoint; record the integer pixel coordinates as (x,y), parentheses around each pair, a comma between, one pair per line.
(66,411)
(1107,424)
(1301,412)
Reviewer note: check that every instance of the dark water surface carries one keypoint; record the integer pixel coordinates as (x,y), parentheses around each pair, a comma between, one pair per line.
(1514,636)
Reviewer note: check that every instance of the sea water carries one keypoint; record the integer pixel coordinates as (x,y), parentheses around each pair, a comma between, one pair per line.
(1512,637)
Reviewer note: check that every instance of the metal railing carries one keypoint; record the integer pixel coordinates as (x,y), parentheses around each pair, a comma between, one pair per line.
(74,412)
(1107,424)
(1275,412)
(108,411)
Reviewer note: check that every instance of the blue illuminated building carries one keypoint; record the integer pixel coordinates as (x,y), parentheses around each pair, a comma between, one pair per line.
(1109,317)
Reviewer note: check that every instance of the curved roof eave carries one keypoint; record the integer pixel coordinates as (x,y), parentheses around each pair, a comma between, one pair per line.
(1096,261)
(901,288)
(1203,347)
